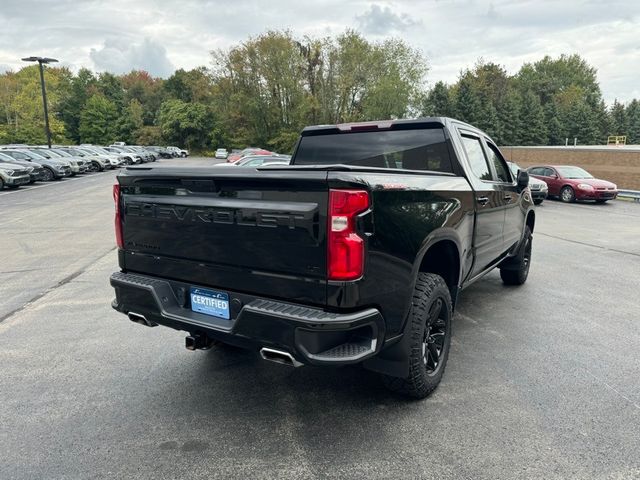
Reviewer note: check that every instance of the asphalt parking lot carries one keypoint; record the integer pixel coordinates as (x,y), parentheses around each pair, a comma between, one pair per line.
(542,380)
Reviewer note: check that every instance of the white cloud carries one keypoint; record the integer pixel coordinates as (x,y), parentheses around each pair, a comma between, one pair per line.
(383,20)
(160,34)
(120,56)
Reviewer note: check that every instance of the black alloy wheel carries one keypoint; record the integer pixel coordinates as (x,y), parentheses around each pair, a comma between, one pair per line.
(48,175)
(434,336)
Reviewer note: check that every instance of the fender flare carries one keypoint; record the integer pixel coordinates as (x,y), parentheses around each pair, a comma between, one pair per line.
(393,358)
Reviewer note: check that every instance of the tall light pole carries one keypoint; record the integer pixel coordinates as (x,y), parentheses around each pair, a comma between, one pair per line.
(41,61)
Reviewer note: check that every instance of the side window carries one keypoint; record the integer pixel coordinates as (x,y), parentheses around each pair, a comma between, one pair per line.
(537,171)
(500,165)
(548,172)
(477,160)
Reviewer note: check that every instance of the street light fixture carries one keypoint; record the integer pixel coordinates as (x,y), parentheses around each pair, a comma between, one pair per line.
(41,61)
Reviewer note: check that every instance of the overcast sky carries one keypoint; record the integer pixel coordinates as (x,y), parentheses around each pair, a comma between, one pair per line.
(160,36)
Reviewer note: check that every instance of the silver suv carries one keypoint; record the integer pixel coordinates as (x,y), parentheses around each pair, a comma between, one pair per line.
(13,175)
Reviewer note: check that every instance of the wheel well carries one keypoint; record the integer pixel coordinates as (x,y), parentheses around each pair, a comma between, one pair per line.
(531,221)
(443,258)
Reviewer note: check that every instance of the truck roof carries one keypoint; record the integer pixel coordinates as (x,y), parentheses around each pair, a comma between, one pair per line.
(379,125)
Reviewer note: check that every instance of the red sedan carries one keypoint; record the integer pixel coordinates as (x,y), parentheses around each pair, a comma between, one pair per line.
(234,157)
(573,183)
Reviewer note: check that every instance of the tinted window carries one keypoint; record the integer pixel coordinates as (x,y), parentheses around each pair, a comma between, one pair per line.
(477,160)
(500,165)
(41,153)
(418,149)
(18,155)
(254,162)
(574,172)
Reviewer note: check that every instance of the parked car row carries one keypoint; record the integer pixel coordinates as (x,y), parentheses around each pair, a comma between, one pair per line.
(27,164)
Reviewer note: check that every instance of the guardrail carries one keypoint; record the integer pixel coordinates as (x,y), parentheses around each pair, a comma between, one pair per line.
(632,194)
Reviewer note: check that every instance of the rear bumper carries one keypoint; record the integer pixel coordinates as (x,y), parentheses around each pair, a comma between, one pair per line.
(310,335)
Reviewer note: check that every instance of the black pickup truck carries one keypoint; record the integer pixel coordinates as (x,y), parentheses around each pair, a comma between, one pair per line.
(354,253)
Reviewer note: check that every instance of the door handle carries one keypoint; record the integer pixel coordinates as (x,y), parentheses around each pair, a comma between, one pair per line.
(507,198)
(482,200)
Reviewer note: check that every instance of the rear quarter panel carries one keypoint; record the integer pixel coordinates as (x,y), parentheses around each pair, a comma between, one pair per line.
(408,214)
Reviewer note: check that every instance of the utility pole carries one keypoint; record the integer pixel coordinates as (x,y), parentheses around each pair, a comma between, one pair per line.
(41,61)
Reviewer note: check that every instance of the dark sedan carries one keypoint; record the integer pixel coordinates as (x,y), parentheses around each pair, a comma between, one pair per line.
(571,183)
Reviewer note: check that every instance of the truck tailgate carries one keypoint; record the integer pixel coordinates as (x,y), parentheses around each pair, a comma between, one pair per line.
(228,227)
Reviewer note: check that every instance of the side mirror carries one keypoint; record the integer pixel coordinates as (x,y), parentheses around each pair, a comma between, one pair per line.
(523,180)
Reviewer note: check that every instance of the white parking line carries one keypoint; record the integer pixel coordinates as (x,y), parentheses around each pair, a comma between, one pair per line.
(55,182)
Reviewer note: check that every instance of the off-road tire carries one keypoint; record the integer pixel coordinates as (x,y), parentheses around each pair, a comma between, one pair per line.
(516,270)
(431,307)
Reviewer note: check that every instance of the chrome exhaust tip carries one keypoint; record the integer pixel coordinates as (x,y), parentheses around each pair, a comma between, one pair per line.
(279,356)
(141,319)
(199,342)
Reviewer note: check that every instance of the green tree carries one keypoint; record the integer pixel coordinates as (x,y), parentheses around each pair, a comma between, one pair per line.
(22,105)
(98,121)
(603,121)
(467,102)
(548,77)
(556,130)
(74,101)
(395,83)
(534,129)
(149,135)
(186,124)
(509,119)
(190,86)
(110,87)
(130,122)
(581,124)
(488,120)
(633,116)
(619,120)
(438,102)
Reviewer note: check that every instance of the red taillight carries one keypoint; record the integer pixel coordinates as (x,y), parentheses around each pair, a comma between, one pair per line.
(118,217)
(345,249)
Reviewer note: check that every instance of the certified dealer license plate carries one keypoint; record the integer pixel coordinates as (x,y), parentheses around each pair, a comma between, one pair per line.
(210,302)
